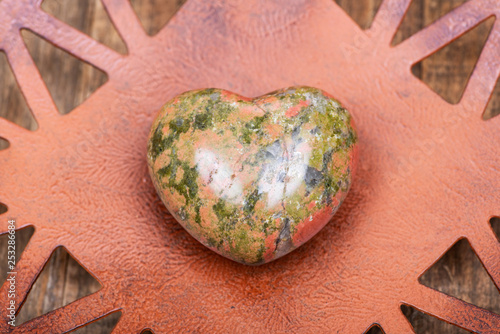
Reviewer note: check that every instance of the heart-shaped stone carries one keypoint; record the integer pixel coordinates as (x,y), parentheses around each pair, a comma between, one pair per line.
(252,179)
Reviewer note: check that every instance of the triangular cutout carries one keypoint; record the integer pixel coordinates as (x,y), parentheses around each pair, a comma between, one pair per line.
(425,324)
(422,13)
(69,80)
(375,329)
(460,274)
(493,108)
(155,14)
(89,17)
(12,103)
(361,11)
(103,325)
(447,71)
(22,238)
(495,225)
(3,208)
(4,144)
(62,281)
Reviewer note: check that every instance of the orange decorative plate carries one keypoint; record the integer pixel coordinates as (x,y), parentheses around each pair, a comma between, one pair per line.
(429,172)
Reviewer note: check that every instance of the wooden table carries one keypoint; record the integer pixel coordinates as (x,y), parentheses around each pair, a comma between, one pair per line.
(70,82)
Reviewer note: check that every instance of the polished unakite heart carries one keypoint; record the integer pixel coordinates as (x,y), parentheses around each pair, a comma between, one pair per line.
(252,179)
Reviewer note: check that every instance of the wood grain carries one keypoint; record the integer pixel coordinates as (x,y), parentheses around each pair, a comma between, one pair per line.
(12,104)
(154,14)
(61,281)
(361,11)
(70,82)
(22,238)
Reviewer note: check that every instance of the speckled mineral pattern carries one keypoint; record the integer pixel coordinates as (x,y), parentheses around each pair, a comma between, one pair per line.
(252,179)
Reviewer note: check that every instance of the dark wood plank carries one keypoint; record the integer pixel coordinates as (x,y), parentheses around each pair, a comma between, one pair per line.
(12,104)
(361,11)
(22,238)
(61,282)
(89,17)
(154,14)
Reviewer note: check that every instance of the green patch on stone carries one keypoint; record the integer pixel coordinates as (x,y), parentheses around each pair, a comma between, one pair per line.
(159,143)
(197,217)
(223,211)
(224,109)
(254,126)
(268,227)
(250,201)
(189,183)
(246,247)
(156,146)
(169,171)
(187,186)
(242,246)
(295,210)
(231,232)
(215,111)
(260,253)
(211,242)
(351,138)
(203,121)
(316,160)
(331,188)
(177,126)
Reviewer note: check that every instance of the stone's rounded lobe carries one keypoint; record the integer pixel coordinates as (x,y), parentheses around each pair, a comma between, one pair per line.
(252,179)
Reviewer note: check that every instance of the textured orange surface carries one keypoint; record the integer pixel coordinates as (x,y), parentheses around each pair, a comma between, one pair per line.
(429,172)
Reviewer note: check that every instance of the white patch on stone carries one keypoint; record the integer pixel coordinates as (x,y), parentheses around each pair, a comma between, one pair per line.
(284,176)
(218,175)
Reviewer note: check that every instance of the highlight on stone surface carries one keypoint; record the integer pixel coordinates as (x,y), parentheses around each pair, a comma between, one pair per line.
(252,179)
